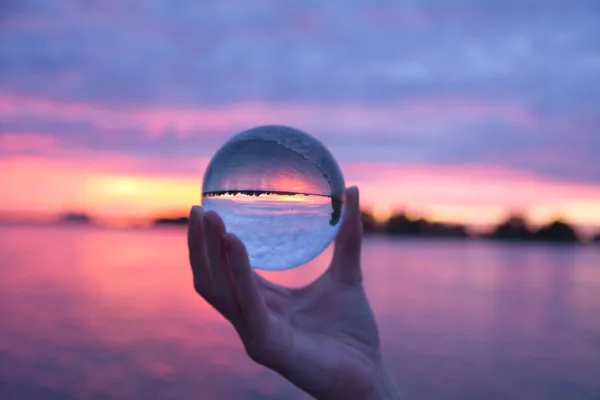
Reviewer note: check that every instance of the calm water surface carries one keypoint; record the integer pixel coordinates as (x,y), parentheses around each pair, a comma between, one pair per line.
(98,314)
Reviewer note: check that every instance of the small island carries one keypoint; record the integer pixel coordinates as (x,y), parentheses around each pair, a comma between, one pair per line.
(74,218)
(171,221)
(402,225)
(515,228)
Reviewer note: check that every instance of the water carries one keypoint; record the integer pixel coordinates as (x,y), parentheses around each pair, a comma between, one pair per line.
(100,314)
(280,191)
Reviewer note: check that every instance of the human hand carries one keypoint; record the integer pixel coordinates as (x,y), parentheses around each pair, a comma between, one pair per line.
(322,337)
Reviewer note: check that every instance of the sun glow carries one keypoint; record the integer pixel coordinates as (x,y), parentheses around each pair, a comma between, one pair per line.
(381,212)
(110,188)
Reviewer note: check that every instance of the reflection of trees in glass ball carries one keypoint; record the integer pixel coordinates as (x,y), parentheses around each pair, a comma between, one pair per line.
(280,191)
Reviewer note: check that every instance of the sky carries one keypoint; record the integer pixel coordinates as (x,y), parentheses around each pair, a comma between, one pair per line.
(458,110)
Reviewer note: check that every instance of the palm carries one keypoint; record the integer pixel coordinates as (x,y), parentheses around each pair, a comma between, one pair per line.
(329,327)
(321,337)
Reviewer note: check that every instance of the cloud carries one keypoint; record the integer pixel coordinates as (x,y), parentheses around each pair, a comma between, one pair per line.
(165,52)
(511,84)
(26,142)
(444,131)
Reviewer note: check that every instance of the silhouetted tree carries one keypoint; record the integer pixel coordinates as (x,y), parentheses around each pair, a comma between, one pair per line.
(557,231)
(447,230)
(75,218)
(369,224)
(513,228)
(398,224)
(596,238)
(402,225)
(171,221)
(516,228)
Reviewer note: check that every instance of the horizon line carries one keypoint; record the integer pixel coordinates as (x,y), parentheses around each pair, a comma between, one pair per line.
(15,216)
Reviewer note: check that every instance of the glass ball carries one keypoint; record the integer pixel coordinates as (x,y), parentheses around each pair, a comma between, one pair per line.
(280,191)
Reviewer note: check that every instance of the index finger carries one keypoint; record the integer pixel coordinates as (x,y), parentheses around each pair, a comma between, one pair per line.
(203,281)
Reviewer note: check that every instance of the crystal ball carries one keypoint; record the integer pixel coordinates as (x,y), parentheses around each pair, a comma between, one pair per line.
(280,191)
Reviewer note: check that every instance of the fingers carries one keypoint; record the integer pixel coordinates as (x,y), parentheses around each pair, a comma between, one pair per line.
(207,256)
(346,265)
(215,229)
(224,277)
(251,305)
(203,281)
(221,297)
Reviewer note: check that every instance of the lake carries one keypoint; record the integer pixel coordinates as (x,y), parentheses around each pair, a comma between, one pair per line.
(89,313)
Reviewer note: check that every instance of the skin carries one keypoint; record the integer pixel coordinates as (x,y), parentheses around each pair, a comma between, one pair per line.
(322,337)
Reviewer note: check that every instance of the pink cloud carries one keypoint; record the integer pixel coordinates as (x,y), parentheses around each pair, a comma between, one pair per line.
(415,117)
(22,142)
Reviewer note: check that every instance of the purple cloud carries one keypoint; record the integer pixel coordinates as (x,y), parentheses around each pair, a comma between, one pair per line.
(541,59)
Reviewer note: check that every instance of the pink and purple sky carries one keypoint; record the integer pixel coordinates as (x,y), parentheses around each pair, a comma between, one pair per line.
(459,110)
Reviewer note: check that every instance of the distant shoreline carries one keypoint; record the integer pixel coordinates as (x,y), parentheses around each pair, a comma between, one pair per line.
(182,223)
(515,229)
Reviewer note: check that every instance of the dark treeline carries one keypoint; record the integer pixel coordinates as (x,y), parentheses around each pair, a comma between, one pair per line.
(171,221)
(75,218)
(402,225)
(514,229)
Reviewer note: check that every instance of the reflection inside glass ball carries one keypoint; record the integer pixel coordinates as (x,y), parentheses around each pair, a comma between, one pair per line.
(280,191)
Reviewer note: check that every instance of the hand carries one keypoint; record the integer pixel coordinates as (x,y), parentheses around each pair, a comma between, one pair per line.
(321,337)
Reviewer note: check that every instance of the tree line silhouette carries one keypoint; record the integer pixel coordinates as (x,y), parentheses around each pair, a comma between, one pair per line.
(514,228)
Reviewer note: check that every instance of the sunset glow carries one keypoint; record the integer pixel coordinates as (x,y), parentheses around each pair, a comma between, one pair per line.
(472,195)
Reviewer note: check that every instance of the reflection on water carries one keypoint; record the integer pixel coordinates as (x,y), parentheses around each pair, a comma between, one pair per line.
(89,313)
(278,233)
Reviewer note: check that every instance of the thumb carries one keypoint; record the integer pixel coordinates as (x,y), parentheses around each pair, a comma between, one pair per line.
(345,265)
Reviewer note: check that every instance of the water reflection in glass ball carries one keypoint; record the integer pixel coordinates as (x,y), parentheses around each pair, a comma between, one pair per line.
(280,191)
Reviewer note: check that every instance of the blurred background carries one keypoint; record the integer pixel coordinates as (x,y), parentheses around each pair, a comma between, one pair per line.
(471,128)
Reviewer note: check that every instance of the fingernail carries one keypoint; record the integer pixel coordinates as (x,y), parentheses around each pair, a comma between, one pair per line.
(197,212)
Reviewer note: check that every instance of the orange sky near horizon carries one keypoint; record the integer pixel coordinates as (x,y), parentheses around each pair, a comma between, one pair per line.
(116,188)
